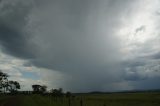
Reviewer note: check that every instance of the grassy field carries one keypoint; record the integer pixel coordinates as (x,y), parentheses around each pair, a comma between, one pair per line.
(115,99)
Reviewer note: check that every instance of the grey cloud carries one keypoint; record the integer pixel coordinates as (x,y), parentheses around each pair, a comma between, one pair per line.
(141,28)
(79,39)
(145,70)
(77,32)
(14,43)
(135,74)
(134,77)
(76,38)
(134,62)
(13,38)
(70,39)
(147,84)
(155,56)
(157,13)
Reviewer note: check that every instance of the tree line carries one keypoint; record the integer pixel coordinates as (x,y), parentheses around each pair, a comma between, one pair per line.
(8,85)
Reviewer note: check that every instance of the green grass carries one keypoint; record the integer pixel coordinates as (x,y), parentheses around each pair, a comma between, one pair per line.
(115,99)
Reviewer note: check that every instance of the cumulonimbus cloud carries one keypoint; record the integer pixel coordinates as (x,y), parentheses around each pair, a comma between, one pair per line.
(77,38)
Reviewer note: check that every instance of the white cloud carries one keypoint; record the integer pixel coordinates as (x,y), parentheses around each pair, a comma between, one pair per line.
(17,71)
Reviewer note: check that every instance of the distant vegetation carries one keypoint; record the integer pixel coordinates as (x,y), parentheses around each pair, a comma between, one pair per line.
(11,87)
(6,85)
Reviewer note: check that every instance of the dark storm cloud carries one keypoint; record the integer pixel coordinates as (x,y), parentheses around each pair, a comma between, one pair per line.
(155,56)
(13,38)
(142,68)
(77,38)
(77,31)
(134,76)
(147,84)
(14,43)
(134,63)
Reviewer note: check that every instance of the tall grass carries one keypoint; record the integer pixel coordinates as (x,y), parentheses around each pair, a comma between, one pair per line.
(117,99)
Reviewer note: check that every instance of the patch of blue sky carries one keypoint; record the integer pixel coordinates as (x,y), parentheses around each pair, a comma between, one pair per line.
(30,75)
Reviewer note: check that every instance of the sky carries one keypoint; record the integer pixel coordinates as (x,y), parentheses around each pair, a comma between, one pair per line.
(81,45)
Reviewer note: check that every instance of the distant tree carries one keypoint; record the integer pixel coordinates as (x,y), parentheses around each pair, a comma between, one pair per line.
(3,81)
(36,88)
(43,88)
(57,92)
(17,85)
(13,86)
(39,88)
(68,94)
(60,90)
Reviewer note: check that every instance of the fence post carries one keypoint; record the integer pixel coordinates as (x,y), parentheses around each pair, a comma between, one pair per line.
(69,101)
(81,102)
